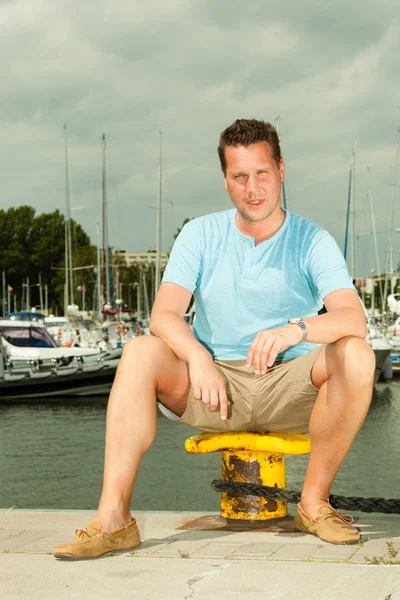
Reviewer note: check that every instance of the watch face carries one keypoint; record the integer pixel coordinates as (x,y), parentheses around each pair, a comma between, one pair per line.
(299,321)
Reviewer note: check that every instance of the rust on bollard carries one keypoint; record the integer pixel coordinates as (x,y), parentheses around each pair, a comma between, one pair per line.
(251,457)
(262,468)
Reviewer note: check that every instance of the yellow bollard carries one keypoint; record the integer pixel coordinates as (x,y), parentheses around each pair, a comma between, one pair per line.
(251,458)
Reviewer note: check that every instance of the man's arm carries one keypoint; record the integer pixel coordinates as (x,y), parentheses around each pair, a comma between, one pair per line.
(167,323)
(345,317)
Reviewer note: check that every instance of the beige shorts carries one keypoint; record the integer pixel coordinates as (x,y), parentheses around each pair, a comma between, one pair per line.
(281,400)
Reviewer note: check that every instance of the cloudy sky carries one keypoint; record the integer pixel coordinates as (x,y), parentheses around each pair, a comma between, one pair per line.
(128,69)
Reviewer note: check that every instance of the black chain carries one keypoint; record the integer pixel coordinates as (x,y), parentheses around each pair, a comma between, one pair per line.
(367,505)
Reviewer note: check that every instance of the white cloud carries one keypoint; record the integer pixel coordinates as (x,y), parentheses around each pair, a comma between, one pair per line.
(128,68)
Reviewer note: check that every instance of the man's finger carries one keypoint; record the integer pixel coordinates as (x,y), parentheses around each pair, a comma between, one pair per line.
(205,396)
(252,350)
(197,392)
(213,400)
(250,355)
(257,357)
(223,403)
(264,355)
(276,348)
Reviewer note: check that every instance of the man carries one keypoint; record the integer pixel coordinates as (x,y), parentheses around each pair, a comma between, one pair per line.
(260,358)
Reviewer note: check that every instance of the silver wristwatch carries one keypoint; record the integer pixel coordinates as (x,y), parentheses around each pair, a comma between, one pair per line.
(301,324)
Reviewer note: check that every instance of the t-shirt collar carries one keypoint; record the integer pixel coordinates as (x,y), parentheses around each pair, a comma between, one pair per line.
(251,240)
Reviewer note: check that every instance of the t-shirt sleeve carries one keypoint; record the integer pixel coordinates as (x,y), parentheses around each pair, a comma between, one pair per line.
(327,267)
(184,265)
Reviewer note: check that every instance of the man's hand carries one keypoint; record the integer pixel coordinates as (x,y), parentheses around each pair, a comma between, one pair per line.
(269,343)
(208,386)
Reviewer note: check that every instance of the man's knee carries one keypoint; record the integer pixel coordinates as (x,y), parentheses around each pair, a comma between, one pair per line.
(144,349)
(352,355)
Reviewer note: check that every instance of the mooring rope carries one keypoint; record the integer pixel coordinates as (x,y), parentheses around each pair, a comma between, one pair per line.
(367,505)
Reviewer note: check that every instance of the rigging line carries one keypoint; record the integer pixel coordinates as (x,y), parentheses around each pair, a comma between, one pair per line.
(378,266)
(113,224)
(346,236)
(389,256)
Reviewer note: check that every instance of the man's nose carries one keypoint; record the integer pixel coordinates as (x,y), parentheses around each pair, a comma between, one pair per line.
(253,185)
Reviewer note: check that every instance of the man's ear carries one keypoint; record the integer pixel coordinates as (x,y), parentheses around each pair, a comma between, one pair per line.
(282,169)
(225,183)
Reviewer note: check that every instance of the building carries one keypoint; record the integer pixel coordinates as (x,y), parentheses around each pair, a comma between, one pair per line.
(141,258)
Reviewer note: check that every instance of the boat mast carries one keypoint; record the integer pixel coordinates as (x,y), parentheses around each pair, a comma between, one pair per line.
(346,235)
(350,215)
(145,296)
(69,290)
(106,268)
(389,254)
(139,296)
(378,266)
(98,282)
(66,285)
(353,213)
(278,119)
(158,242)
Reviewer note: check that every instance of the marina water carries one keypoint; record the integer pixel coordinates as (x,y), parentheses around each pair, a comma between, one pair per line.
(51,457)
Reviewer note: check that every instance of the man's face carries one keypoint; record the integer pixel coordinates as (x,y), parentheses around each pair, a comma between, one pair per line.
(253,181)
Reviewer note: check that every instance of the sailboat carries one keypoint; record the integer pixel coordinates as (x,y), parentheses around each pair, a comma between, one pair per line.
(389,253)
(116,330)
(392,299)
(378,342)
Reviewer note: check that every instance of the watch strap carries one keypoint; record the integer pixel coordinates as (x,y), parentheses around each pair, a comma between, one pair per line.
(298,321)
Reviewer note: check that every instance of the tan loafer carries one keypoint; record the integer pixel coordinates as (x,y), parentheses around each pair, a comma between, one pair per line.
(329,526)
(91,542)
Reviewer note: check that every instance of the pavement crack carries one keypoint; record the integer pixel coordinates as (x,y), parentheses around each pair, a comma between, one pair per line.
(192,582)
(395,589)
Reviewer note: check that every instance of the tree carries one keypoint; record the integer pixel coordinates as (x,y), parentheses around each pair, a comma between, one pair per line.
(15,240)
(31,246)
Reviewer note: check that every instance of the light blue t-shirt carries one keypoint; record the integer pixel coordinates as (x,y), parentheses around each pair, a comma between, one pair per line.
(241,289)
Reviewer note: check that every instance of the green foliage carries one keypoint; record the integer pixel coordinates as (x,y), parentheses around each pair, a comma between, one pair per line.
(16,231)
(31,245)
(389,559)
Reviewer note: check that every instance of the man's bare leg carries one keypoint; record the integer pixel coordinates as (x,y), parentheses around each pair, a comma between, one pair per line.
(148,369)
(344,374)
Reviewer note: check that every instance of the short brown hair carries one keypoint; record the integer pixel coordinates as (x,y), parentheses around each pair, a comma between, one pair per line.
(244,132)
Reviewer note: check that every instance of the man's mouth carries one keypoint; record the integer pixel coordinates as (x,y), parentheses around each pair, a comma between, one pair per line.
(255,202)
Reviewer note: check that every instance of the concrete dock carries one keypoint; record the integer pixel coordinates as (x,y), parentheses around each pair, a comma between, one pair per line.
(181,558)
